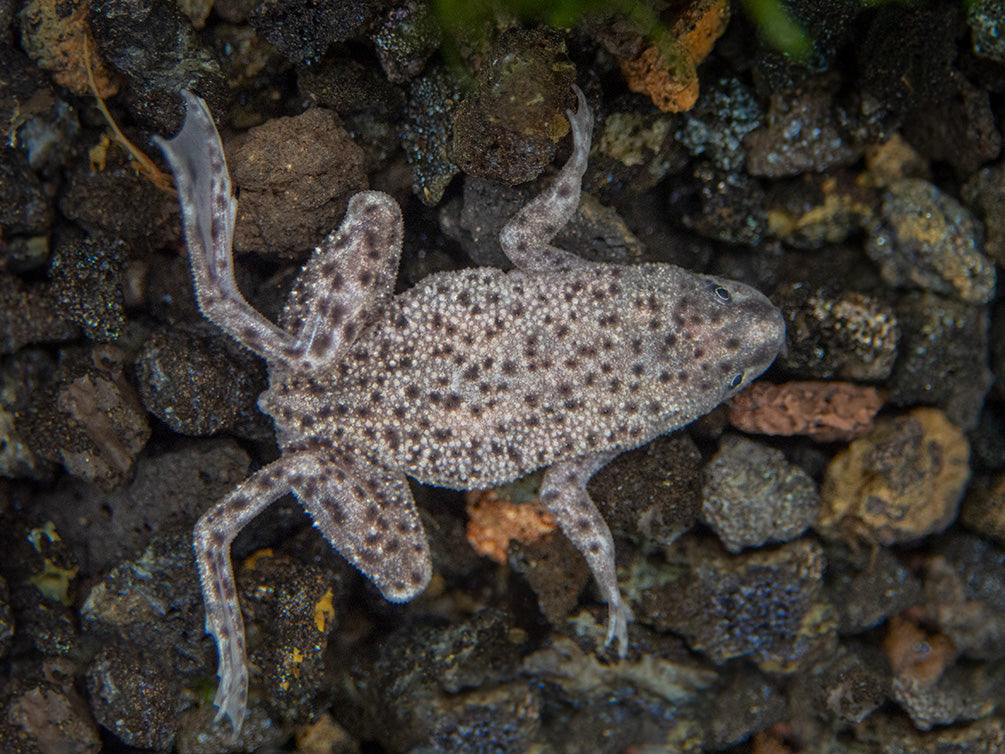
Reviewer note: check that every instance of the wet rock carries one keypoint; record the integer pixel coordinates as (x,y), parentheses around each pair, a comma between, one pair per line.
(151,221)
(89,419)
(929,687)
(610,708)
(965,595)
(986,19)
(943,357)
(596,233)
(159,54)
(811,211)
(6,619)
(715,127)
(849,335)
(20,376)
(749,703)
(292,607)
(407,38)
(823,411)
(667,71)
(652,492)
(432,100)
(866,587)
(87,283)
(556,572)
(765,604)
(169,491)
(731,207)
(983,509)
(196,382)
(925,238)
(296,176)
(800,133)
(46,714)
(752,495)
(901,482)
(960,131)
(417,674)
(508,129)
(55,38)
(984,193)
(30,314)
(25,209)
(494,520)
(133,698)
(849,686)
(303,31)
(634,151)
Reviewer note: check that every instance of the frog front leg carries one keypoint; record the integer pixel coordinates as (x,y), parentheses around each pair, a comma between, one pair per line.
(564,495)
(350,276)
(526,237)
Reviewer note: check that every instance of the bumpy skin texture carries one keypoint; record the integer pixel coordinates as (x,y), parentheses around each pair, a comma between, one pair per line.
(468,380)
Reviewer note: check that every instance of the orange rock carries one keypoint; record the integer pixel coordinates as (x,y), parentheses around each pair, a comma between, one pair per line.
(915,655)
(825,411)
(493,522)
(667,72)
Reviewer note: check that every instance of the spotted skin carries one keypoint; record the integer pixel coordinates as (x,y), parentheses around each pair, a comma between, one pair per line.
(468,380)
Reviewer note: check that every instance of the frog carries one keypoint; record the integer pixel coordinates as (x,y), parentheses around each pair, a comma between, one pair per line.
(468,380)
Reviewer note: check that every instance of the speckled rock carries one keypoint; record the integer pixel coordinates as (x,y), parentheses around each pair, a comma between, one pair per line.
(507,131)
(418,675)
(406,39)
(986,19)
(427,131)
(20,376)
(24,207)
(752,495)
(867,586)
(983,509)
(634,151)
(849,686)
(556,572)
(901,482)
(929,687)
(984,194)
(29,314)
(595,232)
(851,336)
(984,735)
(965,595)
(800,133)
(87,283)
(927,239)
(45,713)
(168,491)
(304,31)
(748,703)
(731,206)
(812,210)
(943,357)
(133,697)
(653,492)
(159,54)
(295,607)
(88,195)
(196,382)
(824,411)
(615,707)
(715,126)
(765,604)
(296,176)
(89,419)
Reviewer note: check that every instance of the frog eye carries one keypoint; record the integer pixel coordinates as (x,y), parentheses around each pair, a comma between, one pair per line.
(736,381)
(722,293)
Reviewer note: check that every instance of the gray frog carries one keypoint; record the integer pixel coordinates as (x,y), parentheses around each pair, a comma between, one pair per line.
(468,380)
